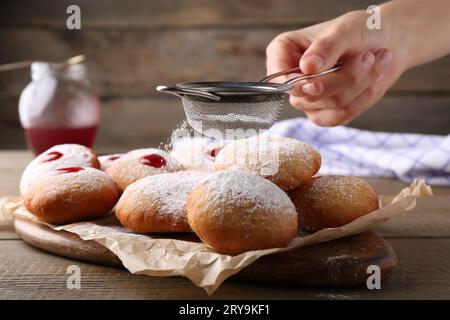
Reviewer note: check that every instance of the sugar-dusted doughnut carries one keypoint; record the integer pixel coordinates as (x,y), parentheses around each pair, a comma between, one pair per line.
(59,156)
(235,211)
(71,194)
(332,201)
(158,203)
(196,154)
(140,163)
(107,160)
(286,162)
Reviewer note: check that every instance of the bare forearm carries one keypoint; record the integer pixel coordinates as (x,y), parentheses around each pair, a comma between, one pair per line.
(421,28)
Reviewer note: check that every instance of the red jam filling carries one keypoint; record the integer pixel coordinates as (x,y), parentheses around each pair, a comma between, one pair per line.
(69,170)
(213,152)
(153,160)
(54,155)
(112,158)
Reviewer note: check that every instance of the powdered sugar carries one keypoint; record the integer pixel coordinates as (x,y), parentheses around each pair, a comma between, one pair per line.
(83,181)
(329,188)
(73,155)
(241,188)
(167,192)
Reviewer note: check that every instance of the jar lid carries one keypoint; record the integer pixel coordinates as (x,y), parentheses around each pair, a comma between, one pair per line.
(41,69)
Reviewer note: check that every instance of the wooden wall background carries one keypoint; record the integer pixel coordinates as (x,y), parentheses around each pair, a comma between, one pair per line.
(134,45)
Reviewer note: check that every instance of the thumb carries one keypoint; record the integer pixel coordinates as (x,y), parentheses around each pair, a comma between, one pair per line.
(322,54)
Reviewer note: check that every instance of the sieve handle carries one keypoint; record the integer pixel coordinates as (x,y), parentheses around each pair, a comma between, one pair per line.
(283,72)
(316,75)
(189,92)
(276,75)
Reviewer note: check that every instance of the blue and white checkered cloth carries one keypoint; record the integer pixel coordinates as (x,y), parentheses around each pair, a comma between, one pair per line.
(356,152)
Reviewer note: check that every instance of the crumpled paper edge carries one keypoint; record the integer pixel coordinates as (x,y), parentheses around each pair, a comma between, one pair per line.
(8,205)
(144,254)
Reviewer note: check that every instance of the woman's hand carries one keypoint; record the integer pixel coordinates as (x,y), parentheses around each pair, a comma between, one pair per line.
(373,61)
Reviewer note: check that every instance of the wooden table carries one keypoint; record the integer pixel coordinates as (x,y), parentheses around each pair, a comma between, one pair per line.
(421,240)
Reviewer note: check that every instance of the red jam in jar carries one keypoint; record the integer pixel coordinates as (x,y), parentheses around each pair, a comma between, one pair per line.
(58,107)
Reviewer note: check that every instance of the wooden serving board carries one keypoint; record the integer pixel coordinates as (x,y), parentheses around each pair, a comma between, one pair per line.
(339,262)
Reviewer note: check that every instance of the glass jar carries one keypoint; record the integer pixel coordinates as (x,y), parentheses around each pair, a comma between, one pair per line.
(58,106)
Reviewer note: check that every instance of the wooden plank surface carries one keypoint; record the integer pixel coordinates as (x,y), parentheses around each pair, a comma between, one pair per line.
(430,219)
(132,47)
(27,273)
(185,13)
(133,62)
(12,164)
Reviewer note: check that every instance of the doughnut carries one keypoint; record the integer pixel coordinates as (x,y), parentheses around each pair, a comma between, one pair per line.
(286,162)
(196,155)
(140,163)
(158,203)
(332,201)
(107,160)
(236,211)
(71,194)
(59,156)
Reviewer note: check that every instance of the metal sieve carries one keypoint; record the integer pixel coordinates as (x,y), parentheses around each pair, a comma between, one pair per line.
(220,109)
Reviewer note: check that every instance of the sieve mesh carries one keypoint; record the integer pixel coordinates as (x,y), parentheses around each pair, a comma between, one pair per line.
(251,112)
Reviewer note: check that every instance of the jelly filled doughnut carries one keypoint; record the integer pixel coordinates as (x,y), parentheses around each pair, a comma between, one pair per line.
(71,194)
(235,211)
(196,155)
(107,160)
(59,156)
(140,163)
(286,162)
(332,201)
(158,203)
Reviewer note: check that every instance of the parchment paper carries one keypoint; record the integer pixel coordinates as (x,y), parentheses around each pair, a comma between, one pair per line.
(178,255)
